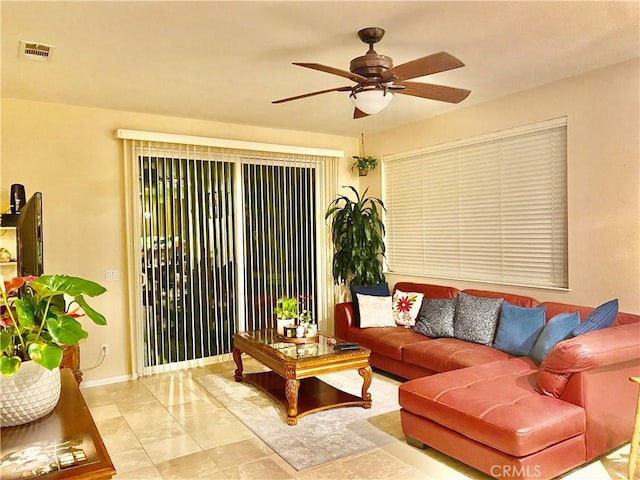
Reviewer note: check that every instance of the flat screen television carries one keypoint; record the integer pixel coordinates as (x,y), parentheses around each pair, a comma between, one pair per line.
(29,238)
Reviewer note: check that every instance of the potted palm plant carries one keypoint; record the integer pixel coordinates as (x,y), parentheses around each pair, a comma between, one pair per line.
(36,324)
(357,234)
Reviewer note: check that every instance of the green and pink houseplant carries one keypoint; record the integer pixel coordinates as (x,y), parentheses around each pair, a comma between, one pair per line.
(39,318)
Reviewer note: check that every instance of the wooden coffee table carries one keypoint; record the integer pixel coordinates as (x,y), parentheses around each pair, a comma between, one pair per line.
(294,367)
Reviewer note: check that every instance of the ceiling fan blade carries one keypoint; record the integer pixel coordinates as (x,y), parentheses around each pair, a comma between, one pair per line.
(357,113)
(437,62)
(336,71)
(297,97)
(433,92)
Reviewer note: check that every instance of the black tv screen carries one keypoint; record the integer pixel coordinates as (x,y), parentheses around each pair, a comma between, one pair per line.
(29,238)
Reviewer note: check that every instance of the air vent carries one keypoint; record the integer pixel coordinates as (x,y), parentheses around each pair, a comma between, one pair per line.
(36,51)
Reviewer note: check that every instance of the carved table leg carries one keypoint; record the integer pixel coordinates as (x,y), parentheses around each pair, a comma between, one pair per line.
(237,357)
(291,391)
(365,373)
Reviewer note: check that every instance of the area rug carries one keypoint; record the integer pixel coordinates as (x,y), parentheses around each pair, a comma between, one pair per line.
(319,437)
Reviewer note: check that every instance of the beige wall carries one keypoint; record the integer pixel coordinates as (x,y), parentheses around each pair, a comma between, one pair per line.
(602,109)
(69,153)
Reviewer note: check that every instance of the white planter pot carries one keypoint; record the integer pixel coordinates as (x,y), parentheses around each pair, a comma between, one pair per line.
(280,324)
(28,395)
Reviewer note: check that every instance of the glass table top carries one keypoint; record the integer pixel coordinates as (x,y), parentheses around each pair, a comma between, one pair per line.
(269,337)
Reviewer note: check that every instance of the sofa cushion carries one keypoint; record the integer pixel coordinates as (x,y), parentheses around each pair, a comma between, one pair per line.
(379,290)
(602,317)
(387,341)
(518,328)
(495,404)
(429,291)
(476,318)
(444,354)
(406,307)
(513,299)
(557,329)
(375,311)
(436,317)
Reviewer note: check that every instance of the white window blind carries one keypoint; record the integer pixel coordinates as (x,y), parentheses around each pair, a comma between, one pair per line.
(491,209)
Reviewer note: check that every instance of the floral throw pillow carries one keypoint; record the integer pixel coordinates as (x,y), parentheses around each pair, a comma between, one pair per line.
(406,307)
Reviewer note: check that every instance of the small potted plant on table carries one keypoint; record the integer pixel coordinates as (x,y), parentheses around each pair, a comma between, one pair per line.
(287,312)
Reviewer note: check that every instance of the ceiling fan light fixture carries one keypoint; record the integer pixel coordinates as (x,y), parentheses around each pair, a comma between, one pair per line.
(371,100)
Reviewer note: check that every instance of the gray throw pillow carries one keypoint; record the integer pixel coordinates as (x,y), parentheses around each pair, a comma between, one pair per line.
(436,317)
(476,318)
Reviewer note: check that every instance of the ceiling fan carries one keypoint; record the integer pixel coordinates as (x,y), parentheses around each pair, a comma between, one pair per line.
(377,80)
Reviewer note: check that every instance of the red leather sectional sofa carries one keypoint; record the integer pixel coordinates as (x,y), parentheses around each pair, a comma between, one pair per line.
(485,408)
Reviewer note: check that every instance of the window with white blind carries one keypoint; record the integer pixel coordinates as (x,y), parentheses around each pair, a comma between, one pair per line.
(490,209)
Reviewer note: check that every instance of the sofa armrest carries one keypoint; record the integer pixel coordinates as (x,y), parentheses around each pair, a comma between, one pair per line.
(595,349)
(344,318)
(602,348)
(595,368)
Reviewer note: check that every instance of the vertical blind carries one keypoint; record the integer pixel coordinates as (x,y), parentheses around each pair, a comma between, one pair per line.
(220,234)
(280,204)
(187,253)
(491,209)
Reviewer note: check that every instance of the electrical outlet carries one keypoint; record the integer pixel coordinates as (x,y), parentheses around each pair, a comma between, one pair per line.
(104,349)
(111,275)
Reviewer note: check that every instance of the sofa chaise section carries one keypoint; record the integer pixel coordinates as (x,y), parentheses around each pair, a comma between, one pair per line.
(492,418)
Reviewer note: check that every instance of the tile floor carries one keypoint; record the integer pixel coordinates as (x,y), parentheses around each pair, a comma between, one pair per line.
(167,427)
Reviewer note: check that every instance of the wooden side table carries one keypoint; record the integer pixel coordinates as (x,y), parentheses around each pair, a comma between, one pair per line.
(63,445)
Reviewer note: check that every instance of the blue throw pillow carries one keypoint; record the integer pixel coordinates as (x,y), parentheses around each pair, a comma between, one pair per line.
(557,329)
(601,317)
(519,328)
(379,290)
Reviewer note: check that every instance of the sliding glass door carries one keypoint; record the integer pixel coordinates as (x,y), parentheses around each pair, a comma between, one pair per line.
(222,236)
(187,258)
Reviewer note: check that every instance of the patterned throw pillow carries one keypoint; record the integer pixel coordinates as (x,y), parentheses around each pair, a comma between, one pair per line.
(406,307)
(375,311)
(436,317)
(476,318)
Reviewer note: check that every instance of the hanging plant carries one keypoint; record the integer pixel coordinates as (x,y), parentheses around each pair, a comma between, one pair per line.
(363,162)
(357,234)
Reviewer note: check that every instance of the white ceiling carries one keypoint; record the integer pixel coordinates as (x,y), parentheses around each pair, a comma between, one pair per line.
(226,61)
